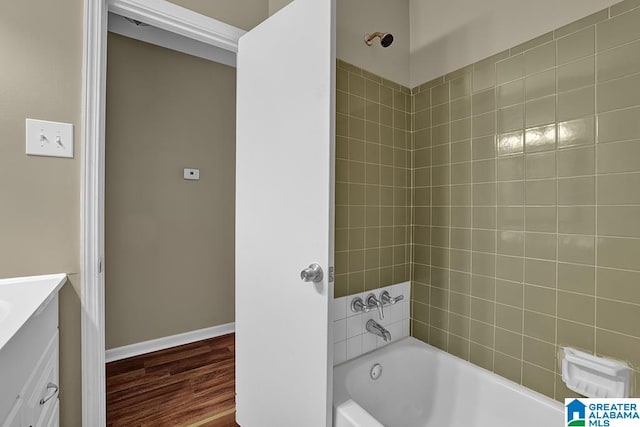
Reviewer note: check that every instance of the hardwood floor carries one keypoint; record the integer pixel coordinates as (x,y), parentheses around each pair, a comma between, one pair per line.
(191,385)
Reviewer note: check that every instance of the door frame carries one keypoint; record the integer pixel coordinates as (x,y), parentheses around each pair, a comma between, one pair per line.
(163,15)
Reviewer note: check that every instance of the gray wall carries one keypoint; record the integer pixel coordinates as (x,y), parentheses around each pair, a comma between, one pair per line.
(40,215)
(169,242)
(41,78)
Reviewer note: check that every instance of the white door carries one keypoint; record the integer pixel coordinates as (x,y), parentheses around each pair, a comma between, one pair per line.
(284,217)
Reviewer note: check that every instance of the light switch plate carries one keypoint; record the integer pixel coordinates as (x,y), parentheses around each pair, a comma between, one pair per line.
(50,139)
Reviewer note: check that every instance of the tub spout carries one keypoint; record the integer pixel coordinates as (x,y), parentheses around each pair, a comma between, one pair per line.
(379,330)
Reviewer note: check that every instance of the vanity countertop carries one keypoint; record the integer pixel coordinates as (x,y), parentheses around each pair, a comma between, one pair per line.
(21,297)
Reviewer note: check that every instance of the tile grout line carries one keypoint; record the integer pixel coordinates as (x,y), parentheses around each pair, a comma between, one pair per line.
(596,57)
(495,215)
(448,293)
(411,202)
(555,367)
(524,236)
(495,183)
(379,190)
(364,239)
(348,190)
(431,145)
(563,319)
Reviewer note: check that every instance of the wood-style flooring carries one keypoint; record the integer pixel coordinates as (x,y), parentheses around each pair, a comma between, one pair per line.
(191,385)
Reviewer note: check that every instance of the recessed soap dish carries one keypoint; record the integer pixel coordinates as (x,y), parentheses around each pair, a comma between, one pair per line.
(593,376)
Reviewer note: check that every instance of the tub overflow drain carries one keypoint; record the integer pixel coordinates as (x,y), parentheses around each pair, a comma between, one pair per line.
(376,371)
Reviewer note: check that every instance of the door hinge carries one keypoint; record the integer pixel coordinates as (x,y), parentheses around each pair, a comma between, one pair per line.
(330,274)
(100,265)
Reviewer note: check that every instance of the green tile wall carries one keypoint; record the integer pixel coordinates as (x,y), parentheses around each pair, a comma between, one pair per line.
(373,181)
(526,202)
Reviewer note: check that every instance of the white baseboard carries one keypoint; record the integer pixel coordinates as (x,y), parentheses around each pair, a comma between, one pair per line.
(144,347)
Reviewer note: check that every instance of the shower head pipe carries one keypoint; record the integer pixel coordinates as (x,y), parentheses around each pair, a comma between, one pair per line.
(385,38)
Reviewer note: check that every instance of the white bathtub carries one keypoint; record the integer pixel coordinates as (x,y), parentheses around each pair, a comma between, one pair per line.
(422,386)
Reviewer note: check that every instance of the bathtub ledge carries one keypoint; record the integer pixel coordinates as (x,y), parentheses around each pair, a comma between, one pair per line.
(350,414)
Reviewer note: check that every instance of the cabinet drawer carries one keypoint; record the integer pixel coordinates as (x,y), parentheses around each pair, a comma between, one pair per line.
(41,392)
(22,354)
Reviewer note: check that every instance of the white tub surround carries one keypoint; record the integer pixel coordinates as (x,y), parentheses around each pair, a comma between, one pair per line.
(29,375)
(422,386)
(351,414)
(350,335)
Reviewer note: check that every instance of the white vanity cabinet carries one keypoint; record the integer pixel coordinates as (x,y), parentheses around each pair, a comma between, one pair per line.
(29,367)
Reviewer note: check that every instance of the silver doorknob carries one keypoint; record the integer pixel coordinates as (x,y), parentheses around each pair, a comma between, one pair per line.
(313,273)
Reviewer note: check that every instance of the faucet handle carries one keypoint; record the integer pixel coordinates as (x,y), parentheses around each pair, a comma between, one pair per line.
(374,302)
(358,306)
(386,298)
